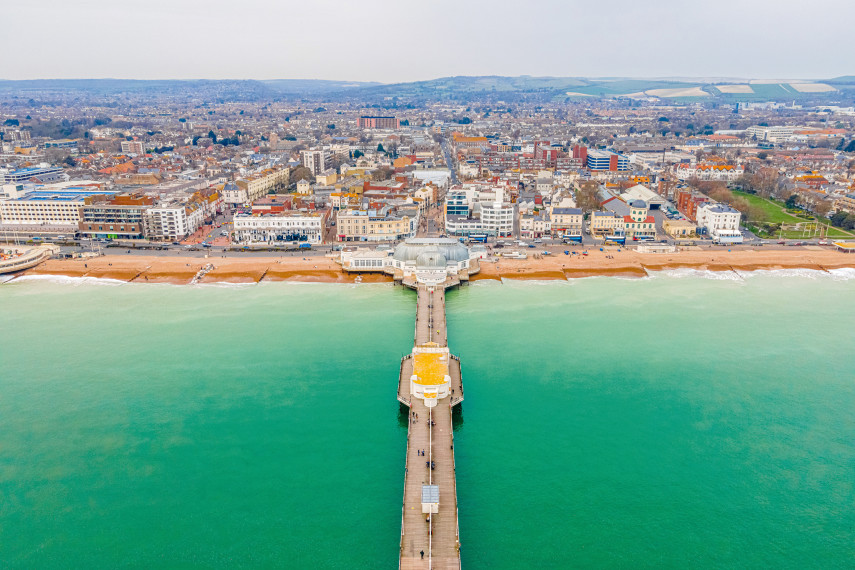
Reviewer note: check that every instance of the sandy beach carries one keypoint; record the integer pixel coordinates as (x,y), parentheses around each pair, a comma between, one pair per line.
(625,263)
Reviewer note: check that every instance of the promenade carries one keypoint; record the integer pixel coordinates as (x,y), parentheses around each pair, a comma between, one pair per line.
(430,452)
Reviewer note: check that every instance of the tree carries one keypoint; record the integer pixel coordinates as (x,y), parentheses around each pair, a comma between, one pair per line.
(358,153)
(850,147)
(301,173)
(721,194)
(587,197)
(405,123)
(380,148)
(792,202)
(213,136)
(663,119)
(336,161)
(762,155)
(838,218)
(382,173)
(11,122)
(331,126)
(822,207)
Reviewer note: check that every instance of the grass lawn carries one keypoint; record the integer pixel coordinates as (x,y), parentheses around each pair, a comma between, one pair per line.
(775,214)
(833,233)
(773,211)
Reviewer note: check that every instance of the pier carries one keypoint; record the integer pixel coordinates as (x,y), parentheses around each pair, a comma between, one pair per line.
(429,530)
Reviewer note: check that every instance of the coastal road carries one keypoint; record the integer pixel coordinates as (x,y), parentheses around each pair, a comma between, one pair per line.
(183,251)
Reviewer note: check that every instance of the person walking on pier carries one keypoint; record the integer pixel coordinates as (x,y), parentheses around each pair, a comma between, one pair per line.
(423,554)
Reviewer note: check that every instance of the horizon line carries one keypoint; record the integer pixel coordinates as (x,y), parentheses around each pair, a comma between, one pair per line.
(684,78)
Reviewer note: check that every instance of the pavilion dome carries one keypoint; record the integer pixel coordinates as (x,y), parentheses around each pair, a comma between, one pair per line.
(431,258)
(450,250)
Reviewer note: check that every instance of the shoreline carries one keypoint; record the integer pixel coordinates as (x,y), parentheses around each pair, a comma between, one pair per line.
(626,264)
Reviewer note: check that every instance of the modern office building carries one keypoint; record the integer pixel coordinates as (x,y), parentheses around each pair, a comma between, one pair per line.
(457,204)
(115,217)
(606,160)
(62,143)
(47,208)
(43,175)
(769,134)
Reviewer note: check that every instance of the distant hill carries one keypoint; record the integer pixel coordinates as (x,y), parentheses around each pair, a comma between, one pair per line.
(456,88)
(120,85)
(218,90)
(844,79)
(315,86)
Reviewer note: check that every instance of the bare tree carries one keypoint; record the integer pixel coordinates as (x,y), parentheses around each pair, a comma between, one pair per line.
(301,173)
(382,173)
(822,207)
(587,197)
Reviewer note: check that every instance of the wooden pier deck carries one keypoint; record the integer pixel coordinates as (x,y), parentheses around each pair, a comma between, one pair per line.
(436,535)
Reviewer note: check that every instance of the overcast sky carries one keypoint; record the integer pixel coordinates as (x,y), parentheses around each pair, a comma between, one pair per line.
(401,40)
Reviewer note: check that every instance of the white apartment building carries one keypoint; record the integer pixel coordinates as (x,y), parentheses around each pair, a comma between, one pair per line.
(770,134)
(268,229)
(315,160)
(133,147)
(172,222)
(497,218)
(476,209)
(179,214)
(721,222)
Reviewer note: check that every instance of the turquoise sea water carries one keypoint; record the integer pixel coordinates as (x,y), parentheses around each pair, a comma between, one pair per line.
(667,422)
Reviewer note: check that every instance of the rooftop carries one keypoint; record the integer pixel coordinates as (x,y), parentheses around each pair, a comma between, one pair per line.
(430,368)
(65,195)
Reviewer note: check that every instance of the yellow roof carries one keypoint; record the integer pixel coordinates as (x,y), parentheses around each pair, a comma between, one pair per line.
(430,368)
